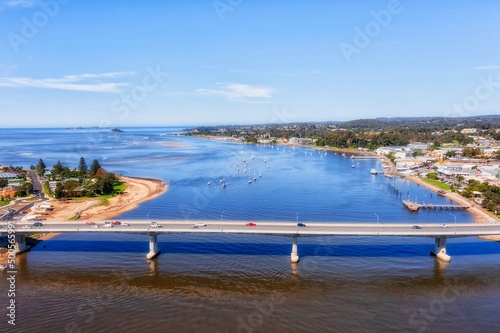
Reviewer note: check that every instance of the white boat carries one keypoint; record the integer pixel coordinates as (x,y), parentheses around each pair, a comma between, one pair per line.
(353,166)
(268,166)
(224,184)
(249,182)
(373,171)
(254,179)
(343,154)
(221,181)
(260,173)
(252,156)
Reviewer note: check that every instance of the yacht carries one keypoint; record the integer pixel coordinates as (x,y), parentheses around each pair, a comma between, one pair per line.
(373,171)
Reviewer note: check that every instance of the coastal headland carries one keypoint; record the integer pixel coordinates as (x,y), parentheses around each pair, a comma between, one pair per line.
(138,190)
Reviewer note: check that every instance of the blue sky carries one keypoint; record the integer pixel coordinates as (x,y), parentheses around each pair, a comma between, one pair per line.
(168,63)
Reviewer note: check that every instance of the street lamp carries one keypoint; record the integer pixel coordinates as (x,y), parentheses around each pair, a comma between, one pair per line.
(378,225)
(147,216)
(455,222)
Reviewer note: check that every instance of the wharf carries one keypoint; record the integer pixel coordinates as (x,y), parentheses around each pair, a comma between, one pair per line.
(414,206)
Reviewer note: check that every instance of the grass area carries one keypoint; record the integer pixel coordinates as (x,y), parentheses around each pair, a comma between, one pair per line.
(119,187)
(438,183)
(76,217)
(104,202)
(4,203)
(32,199)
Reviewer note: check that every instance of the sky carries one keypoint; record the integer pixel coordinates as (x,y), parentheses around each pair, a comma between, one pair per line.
(178,63)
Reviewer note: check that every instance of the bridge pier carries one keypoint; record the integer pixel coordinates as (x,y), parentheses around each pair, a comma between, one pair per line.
(294,255)
(153,247)
(440,250)
(21,244)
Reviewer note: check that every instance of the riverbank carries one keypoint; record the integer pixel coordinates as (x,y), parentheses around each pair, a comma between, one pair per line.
(480,215)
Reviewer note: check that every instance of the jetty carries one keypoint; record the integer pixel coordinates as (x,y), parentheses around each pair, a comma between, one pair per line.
(415,206)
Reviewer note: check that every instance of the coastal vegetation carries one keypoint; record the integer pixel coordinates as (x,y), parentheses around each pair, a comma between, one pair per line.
(80,182)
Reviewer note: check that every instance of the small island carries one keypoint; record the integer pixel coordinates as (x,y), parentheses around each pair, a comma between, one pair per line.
(116,130)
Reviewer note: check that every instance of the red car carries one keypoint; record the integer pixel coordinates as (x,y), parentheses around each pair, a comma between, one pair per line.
(89,222)
(251,224)
(116,222)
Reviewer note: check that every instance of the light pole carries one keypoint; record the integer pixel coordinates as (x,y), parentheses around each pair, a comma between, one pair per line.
(147,216)
(455,222)
(378,225)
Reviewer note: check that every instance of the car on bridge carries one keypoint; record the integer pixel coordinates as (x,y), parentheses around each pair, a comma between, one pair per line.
(116,222)
(442,225)
(200,224)
(125,224)
(90,222)
(37,224)
(155,225)
(108,225)
(26,227)
(250,224)
(301,224)
(416,227)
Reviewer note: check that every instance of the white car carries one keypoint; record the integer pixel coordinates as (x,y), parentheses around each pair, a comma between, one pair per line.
(442,225)
(200,224)
(125,224)
(155,225)
(26,227)
(108,225)
(95,226)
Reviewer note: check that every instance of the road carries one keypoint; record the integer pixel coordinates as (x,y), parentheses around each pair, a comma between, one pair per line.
(267,228)
(38,194)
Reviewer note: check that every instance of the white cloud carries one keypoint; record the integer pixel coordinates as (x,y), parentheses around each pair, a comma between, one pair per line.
(20,3)
(487,67)
(69,82)
(237,92)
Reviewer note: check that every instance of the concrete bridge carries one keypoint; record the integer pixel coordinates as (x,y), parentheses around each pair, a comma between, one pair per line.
(289,229)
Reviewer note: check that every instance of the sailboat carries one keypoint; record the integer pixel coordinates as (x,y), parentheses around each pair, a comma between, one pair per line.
(260,173)
(252,156)
(254,179)
(208,181)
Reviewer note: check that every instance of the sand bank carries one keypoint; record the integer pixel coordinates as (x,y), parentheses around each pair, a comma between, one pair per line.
(174,144)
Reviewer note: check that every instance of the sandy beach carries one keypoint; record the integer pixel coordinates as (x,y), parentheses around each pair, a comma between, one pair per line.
(138,190)
(174,144)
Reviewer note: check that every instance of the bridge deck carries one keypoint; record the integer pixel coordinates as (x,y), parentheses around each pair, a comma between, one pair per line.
(264,228)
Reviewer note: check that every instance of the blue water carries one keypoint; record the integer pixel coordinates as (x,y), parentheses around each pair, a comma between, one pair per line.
(301,182)
(245,283)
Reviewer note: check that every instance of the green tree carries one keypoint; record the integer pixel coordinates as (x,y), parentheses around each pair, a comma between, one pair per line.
(82,167)
(70,186)
(3,183)
(27,188)
(58,168)
(451,153)
(94,167)
(41,167)
(32,167)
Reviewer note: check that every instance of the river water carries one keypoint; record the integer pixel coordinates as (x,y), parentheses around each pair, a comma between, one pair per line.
(242,283)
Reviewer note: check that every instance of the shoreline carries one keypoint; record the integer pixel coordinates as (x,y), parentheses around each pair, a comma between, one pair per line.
(480,215)
(138,190)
